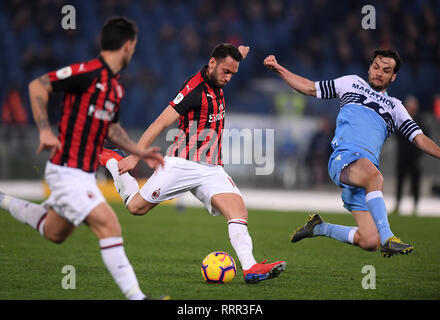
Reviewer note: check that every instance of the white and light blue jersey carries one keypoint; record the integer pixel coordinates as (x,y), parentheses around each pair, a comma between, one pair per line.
(367,117)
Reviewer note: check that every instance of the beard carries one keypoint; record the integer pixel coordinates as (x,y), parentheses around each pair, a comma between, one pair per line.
(214,81)
(214,78)
(379,87)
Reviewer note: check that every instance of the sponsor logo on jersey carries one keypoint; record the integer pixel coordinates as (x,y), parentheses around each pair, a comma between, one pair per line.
(107,114)
(216,116)
(373,94)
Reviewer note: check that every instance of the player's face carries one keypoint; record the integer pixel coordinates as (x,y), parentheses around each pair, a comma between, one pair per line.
(221,71)
(380,73)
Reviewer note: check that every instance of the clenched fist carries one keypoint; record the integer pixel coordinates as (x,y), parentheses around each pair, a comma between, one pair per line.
(271,62)
(244,50)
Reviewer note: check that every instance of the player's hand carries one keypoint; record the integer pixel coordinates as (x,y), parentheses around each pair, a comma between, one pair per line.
(127,164)
(244,50)
(48,141)
(152,157)
(271,62)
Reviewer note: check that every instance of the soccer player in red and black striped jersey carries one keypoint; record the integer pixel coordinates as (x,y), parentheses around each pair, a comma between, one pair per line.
(193,162)
(90,113)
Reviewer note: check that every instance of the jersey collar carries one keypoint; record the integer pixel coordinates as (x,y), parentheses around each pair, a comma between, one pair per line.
(106,66)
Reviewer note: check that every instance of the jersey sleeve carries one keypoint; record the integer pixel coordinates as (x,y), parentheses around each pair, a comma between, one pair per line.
(72,78)
(330,89)
(405,124)
(187,99)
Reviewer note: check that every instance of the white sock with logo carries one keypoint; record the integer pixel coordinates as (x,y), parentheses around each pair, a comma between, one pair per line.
(113,255)
(125,184)
(241,242)
(24,211)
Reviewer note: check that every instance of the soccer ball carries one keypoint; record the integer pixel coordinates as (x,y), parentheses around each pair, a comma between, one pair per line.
(218,267)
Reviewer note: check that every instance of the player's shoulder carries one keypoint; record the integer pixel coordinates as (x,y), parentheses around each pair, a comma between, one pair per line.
(88,66)
(78,68)
(397,102)
(346,82)
(351,78)
(193,82)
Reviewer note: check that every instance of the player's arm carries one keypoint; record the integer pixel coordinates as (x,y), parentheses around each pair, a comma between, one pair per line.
(165,119)
(39,91)
(119,136)
(428,146)
(298,83)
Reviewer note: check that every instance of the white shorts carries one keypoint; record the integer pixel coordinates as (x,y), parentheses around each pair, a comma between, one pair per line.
(74,192)
(179,176)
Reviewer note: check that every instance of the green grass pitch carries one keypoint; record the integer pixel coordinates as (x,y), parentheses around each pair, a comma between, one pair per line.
(166,248)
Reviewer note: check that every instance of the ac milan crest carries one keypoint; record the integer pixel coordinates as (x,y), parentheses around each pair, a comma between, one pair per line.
(155,194)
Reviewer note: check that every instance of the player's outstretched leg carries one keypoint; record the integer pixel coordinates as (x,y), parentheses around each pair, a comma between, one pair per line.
(306,231)
(125,184)
(315,226)
(364,174)
(26,212)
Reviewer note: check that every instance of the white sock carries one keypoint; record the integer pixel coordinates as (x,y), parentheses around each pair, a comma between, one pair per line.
(113,255)
(125,184)
(26,212)
(351,235)
(241,242)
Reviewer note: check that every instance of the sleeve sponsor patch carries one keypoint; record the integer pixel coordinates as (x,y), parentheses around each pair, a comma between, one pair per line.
(64,73)
(178,98)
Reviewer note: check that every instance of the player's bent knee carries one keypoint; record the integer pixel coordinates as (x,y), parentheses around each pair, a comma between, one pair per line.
(136,210)
(55,238)
(376,180)
(139,207)
(371,243)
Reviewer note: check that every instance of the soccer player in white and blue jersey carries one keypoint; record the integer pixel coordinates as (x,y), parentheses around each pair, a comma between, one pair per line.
(367,117)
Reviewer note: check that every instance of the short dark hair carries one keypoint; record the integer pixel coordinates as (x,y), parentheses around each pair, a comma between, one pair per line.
(116,31)
(388,53)
(222,50)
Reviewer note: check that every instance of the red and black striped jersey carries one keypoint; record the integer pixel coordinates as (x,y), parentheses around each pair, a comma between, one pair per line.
(92,95)
(201,106)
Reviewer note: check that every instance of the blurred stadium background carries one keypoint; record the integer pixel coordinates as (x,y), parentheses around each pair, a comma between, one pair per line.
(319,39)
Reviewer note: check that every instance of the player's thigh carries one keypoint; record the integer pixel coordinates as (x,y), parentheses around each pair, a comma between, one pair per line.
(57,228)
(139,206)
(367,234)
(103,221)
(173,180)
(231,205)
(361,173)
